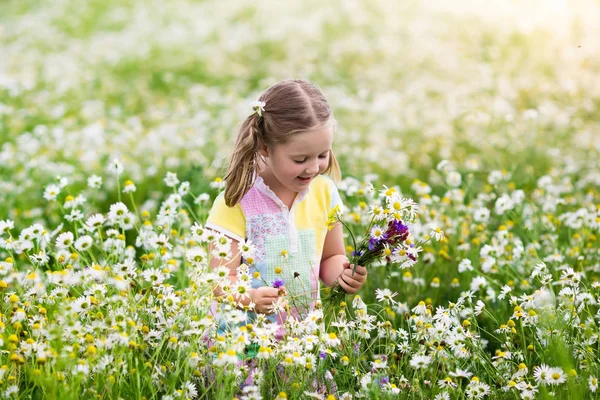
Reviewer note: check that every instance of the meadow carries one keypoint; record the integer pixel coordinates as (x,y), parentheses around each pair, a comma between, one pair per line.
(116,121)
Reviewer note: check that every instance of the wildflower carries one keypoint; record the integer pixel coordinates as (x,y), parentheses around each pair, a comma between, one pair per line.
(64,240)
(436,232)
(593,383)
(117,212)
(477,389)
(115,167)
(453,179)
(247,249)
(197,256)
(6,225)
(420,361)
(129,187)
(202,198)
(461,373)
(331,340)
(218,183)
(94,222)
(380,362)
(479,307)
(385,295)
(83,243)
(542,373)
(94,182)
(154,276)
(446,383)
(556,376)
(171,179)
(51,192)
(465,265)
(259,107)
(377,233)
(478,283)
(184,188)
(226,359)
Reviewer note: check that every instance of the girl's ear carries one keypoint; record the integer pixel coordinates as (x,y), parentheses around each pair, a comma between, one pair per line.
(264,150)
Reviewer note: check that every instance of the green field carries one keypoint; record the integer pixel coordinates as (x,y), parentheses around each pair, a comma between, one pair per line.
(486,114)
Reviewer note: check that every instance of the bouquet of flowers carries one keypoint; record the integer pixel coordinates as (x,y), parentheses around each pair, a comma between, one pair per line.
(387,237)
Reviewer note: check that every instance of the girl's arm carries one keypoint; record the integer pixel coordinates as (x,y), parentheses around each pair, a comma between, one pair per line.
(263,297)
(335,265)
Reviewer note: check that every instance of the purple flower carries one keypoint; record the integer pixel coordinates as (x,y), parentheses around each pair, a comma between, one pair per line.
(323,355)
(278,283)
(384,380)
(358,253)
(397,230)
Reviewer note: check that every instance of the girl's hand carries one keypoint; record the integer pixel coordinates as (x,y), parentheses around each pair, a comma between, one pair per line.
(351,281)
(264,297)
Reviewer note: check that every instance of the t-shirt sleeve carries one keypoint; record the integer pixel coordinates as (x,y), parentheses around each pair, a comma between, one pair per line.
(229,221)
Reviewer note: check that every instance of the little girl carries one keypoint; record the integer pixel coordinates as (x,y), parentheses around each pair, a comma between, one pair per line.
(277,200)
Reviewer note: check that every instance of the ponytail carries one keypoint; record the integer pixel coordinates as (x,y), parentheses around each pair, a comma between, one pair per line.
(243,162)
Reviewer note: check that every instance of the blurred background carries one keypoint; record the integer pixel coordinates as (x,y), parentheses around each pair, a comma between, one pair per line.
(162,86)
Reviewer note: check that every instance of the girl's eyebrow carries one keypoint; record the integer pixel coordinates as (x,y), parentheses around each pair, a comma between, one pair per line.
(306,155)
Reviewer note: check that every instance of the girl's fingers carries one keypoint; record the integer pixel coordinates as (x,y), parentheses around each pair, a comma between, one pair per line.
(345,286)
(356,276)
(348,280)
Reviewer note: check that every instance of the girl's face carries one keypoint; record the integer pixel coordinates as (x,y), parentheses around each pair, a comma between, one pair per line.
(295,163)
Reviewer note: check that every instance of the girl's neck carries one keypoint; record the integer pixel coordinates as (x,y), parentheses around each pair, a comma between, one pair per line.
(284,194)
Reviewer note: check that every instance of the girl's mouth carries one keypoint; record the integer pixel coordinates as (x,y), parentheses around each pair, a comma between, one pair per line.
(304,180)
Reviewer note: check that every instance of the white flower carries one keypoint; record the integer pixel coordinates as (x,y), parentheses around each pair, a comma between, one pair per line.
(481,215)
(171,179)
(225,359)
(154,276)
(64,240)
(202,198)
(593,384)
(259,107)
(503,204)
(479,307)
(331,339)
(115,167)
(51,192)
(541,373)
(420,361)
(556,376)
(94,222)
(184,188)
(436,232)
(377,232)
(83,243)
(478,283)
(385,295)
(129,187)
(465,265)
(117,212)
(453,179)
(197,256)
(94,182)
(6,225)
(218,183)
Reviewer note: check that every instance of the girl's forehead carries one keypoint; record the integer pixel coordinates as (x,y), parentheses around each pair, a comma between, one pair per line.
(316,140)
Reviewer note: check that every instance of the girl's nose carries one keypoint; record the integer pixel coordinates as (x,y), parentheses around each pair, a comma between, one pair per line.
(312,169)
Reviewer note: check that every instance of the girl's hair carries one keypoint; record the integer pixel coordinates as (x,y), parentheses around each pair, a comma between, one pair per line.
(291,106)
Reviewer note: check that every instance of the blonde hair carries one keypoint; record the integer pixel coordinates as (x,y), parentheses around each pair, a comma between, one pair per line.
(291,106)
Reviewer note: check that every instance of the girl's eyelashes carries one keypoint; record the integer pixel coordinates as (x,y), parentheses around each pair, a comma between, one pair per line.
(322,156)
